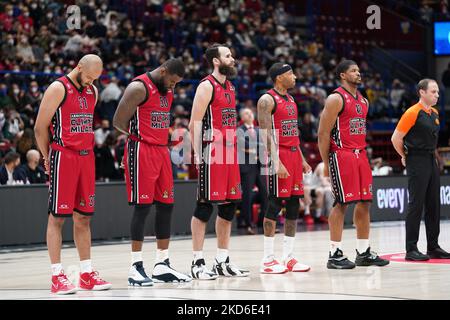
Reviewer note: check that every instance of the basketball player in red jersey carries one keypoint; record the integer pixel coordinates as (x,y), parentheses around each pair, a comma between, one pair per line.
(342,143)
(213,128)
(277,117)
(67,111)
(144,115)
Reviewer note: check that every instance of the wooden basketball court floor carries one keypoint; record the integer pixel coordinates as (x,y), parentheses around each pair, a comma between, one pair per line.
(25,274)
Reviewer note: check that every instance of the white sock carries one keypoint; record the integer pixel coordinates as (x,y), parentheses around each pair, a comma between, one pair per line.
(362,245)
(288,246)
(136,256)
(268,246)
(56,269)
(86,266)
(221,255)
(161,255)
(198,255)
(334,245)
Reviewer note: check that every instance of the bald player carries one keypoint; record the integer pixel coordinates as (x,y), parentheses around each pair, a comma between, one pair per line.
(67,112)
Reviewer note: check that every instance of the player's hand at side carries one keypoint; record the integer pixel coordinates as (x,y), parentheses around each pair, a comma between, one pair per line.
(404,161)
(282,171)
(122,163)
(46,166)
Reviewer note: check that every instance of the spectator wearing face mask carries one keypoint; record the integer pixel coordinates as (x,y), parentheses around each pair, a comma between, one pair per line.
(181,98)
(26,21)
(25,51)
(109,98)
(14,125)
(31,172)
(102,132)
(33,96)
(7,18)
(12,161)
(8,48)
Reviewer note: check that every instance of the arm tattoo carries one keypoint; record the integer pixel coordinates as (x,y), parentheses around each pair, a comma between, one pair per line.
(265,124)
(290,227)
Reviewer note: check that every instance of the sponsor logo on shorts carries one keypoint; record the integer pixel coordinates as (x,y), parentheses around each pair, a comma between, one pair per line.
(349,195)
(296,188)
(284,191)
(165,194)
(215,193)
(144,196)
(233,191)
(364,191)
(82,203)
(63,206)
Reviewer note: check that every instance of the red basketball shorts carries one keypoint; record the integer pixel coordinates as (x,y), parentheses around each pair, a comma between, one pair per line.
(148,173)
(351,176)
(72,181)
(219,178)
(292,186)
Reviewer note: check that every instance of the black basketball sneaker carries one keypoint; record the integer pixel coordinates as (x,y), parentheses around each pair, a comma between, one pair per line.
(369,258)
(339,261)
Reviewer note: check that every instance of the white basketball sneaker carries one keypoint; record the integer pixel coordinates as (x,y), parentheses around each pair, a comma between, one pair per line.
(228,269)
(270,265)
(163,273)
(293,265)
(138,277)
(200,272)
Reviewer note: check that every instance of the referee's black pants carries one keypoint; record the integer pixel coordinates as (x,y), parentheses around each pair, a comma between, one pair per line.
(424,189)
(251,175)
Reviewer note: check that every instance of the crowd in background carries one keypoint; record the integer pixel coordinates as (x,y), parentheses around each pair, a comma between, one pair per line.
(134,36)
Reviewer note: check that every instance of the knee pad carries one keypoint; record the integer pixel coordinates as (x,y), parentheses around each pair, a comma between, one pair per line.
(138,222)
(292,207)
(226,211)
(163,220)
(273,208)
(203,211)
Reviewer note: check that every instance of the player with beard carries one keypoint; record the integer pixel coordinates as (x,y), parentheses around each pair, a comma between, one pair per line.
(213,127)
(342,143)
(144,115)
(67,113)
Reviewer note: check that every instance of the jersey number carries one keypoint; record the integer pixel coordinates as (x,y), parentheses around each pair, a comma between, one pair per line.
(83,103)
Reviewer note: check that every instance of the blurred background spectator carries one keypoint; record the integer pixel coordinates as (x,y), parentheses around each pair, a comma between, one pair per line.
(133,37)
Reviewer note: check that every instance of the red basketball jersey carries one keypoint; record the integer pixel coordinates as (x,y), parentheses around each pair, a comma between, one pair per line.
(72,123)
(284,120)
(220,114)
(151,121)
(349,131)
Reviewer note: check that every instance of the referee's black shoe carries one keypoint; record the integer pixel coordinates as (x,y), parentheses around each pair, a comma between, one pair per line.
(369,258)
(416,255)
(339,261)
(438,253)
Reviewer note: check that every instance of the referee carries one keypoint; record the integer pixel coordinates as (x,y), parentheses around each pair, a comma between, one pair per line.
(415,139)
